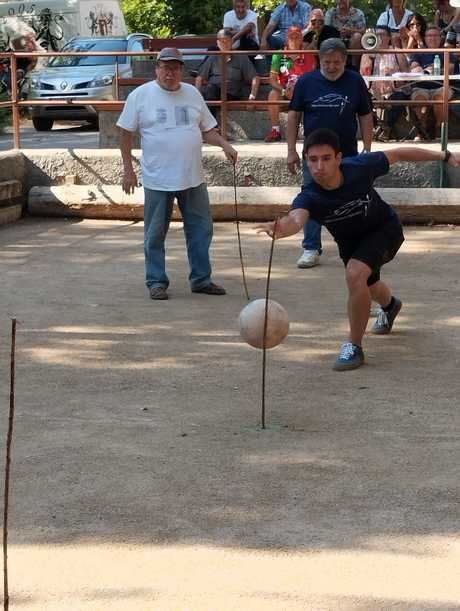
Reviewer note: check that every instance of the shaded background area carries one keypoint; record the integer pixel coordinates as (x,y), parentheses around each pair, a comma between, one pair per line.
(140,474)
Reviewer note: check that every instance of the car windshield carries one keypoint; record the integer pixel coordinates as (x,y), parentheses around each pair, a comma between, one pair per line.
(90,45)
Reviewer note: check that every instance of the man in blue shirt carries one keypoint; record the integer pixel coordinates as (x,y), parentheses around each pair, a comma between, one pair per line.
(292,13)
(331,97)
(367,230)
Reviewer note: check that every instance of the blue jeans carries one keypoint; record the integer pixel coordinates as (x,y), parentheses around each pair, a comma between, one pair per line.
(194,206)
(275,42)
(311,229)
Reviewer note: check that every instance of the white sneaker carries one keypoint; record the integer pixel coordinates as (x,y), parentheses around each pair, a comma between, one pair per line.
(309,258)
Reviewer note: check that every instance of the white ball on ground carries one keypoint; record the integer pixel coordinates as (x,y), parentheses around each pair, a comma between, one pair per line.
(252,318)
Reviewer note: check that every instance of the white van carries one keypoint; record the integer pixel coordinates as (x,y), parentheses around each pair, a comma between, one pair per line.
(55,22)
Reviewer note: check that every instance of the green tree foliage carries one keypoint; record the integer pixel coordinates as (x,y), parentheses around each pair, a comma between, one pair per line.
(371,8)
(163,18)
(199,16)
(153,17)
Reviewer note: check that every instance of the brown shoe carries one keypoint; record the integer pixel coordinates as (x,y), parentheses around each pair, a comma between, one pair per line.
(158,292)
(210,289)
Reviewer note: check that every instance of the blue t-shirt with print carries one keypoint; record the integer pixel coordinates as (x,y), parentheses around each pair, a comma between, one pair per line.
(355,208)
(332,104)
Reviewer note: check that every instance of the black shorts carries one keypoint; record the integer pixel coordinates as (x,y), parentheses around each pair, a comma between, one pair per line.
(374,248)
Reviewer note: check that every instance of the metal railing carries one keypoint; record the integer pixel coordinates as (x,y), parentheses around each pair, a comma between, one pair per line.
(225,105)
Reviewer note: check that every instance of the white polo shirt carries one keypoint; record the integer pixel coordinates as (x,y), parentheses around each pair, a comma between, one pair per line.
(232,21)
(170,124)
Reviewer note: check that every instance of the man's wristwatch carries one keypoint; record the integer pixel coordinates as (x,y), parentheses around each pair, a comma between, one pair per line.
(447,156)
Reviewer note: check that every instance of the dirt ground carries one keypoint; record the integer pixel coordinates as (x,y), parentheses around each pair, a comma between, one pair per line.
(140,478)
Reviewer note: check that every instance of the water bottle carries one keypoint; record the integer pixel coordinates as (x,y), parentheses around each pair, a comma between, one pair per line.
(437,66)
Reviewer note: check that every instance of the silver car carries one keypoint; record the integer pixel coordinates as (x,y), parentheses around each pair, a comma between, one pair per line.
(82,78)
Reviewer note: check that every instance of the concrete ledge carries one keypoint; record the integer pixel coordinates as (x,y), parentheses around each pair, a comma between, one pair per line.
(259,165)
(10,214)
(12,165)
(421,206)
(9,189)
(12,192)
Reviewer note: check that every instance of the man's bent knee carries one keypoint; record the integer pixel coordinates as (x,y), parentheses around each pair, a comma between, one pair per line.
(357,274)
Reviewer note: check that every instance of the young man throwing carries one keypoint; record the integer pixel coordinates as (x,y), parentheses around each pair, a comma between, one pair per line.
(367,230)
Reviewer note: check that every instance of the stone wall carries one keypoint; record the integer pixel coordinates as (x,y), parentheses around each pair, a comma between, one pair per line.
(259,165)
(12,186)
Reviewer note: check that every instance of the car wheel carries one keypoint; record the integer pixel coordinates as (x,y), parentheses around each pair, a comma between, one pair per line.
(41,124)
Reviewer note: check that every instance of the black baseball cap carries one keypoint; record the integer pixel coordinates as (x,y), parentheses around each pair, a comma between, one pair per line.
(169,54)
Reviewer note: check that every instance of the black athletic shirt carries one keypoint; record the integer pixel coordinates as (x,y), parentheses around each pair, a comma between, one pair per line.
(355,208)
(332,104)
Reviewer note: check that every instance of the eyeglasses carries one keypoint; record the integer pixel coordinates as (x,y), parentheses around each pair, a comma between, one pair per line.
(167,67)
(317,21)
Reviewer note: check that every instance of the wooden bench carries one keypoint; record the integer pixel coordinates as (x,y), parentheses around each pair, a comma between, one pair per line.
(180,42)
(184,43)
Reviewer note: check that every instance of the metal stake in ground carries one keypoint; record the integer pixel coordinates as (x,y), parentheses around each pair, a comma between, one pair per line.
(237,221)
(264,349)
(9,438)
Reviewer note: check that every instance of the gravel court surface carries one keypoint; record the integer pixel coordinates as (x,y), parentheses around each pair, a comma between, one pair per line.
(140,477)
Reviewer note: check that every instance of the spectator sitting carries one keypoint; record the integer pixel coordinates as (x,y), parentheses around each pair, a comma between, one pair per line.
(429,90)
(242,22)
(285,71)
(416,27)
(316,32)
(25,44)
(386,64)
(350,21)
(240,72)
(291,13)
(396,17)
(446,16)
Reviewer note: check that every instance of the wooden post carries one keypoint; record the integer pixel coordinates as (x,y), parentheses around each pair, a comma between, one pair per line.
(14,99)
(9,439)
(223,95)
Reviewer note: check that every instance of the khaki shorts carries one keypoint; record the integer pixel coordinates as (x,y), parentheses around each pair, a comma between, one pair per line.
(429,94)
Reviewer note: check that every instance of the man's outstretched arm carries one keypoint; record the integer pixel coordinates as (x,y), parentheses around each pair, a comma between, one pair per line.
(286,225)
(412,153)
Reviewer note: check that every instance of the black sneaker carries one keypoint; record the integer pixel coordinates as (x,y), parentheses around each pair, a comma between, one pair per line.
(158,292)
(210,289)
(351,357)
(385,320)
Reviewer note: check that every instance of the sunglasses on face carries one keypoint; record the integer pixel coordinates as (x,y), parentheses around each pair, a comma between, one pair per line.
(317,21)
(414,25)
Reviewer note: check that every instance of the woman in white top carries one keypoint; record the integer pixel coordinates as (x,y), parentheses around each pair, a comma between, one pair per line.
(396,17)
